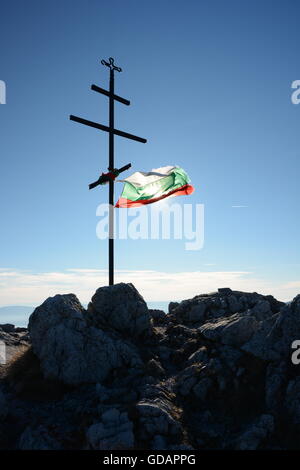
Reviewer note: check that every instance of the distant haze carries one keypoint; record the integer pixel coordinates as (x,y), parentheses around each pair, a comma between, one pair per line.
(15,314)
(19,315)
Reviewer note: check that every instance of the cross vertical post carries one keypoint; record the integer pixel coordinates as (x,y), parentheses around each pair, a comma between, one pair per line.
(111,182)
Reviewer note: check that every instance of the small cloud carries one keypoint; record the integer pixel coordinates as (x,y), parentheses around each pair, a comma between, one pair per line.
(292,285)
(238,207)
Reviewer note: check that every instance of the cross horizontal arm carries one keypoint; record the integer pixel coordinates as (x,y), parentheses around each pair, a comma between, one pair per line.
(107,129)
(106,93)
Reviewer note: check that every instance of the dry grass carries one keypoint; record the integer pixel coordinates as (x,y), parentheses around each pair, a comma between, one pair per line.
(23,373)
(5,369)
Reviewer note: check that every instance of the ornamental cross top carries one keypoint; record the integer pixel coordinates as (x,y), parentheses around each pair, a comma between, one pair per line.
(111,64)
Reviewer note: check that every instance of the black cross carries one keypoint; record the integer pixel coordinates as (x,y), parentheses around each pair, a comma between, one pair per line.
(112,132)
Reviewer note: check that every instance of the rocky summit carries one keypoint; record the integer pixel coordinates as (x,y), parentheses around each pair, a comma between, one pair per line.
(215,372)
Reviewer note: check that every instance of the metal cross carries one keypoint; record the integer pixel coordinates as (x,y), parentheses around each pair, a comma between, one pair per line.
(112,132)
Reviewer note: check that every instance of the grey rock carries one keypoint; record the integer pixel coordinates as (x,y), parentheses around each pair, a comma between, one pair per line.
(71,351)
(186,386)
(158,316)
(187,379)
(216,372)
(121,308)
(159,443)
(155,418)
(117,394)
(230,356)
(234,330)
(155,369)
(275,335)
(102,392)
(215,366)
(286,329)
(225,290)
(21,330)
(149,380)
(198,310)
(7,327)
(292,400)
(256,433)
(275,382)
(261,310)
(222,383)
(199,356)
(260,344)
(115,431)
(233,304)
(192,315)
(111,416)
(208,427)
(172,306)
(202,388)
(164,353)
(240,371)
(38,439)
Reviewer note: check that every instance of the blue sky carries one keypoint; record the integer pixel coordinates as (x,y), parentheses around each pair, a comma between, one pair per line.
(210,87)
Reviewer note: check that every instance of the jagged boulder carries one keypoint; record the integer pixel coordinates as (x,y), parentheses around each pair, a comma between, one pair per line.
(121,308)
(275,335)
(188,378)
(155,419)
(172,306)
(191,313)
(256,433)
(292,400)
(202,308)
(276,377)
(7,327)
(158,316)
(155,369)
(199,356)
(216,373)
(234,330)
(115,431)
(72,351)
(38,439)
(159,443)
(259,344)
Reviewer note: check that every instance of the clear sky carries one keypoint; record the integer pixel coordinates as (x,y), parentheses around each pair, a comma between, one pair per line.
(210,88)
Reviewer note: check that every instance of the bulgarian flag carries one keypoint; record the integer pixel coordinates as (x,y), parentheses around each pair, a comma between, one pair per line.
(145,188)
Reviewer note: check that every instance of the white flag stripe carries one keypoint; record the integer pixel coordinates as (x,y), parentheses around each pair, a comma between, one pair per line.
(140,178)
